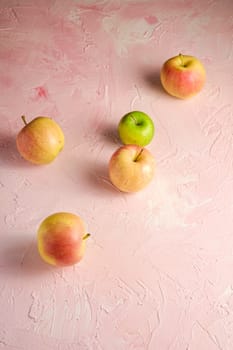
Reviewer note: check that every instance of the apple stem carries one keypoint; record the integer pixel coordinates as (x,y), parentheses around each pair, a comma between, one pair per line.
(138,155)
(86,236)
(182,59)
(134,119)
(24,119)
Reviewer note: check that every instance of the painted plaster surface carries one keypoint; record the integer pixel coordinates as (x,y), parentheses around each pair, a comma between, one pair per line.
(158,269)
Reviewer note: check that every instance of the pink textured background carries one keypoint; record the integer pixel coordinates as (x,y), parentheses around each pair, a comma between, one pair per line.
(158,270)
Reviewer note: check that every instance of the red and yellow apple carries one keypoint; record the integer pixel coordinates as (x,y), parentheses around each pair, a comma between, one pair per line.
(40,141)
(183,76)
(61,239)
(131,168)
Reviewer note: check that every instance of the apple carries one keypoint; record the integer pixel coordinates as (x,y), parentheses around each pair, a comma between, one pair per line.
(61,239)
(40,141)
(131,168)
(183,76)
(136,128)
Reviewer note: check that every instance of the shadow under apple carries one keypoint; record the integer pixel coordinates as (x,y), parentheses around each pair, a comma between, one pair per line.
(8,151)
(21,256)
(151,78)
(109,134)
(97,177)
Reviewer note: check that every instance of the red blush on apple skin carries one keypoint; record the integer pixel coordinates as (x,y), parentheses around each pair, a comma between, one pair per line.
(62,245)
(193,81)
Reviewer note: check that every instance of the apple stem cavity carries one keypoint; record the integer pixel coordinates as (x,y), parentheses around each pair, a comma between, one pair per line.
(138,155)
(86,236)
(24,119)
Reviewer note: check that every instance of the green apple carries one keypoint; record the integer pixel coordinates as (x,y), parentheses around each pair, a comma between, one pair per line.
(136,128)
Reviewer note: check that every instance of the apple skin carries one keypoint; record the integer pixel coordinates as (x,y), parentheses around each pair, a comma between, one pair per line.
(61,239)
(131,168)
(40,141)
(183,76)
(136,128)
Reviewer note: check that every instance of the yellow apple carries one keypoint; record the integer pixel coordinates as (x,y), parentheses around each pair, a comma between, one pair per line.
(131,168)
(40,141)
(183,76)
(61,239)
